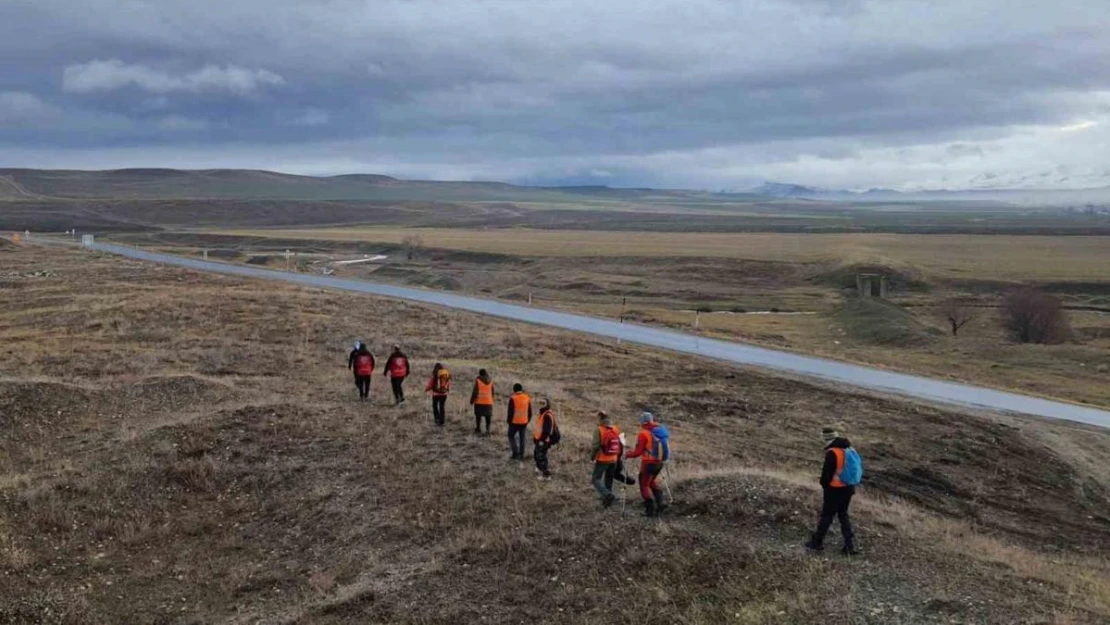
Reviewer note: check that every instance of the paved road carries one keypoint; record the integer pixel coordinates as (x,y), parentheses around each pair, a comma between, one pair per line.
(854,375)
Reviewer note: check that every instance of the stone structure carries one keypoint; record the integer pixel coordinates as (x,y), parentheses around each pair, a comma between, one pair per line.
(872,285)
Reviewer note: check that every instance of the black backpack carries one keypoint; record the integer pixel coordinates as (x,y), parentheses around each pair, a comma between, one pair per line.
(555,436)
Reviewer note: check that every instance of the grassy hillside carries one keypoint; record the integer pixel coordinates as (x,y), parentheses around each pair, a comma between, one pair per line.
(182,448)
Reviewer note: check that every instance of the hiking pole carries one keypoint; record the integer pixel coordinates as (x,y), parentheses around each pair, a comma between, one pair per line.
(667,482)
(624,492)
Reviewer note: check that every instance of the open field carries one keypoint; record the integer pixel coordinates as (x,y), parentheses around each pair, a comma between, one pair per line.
(784,291)
(182,448)
(955,256)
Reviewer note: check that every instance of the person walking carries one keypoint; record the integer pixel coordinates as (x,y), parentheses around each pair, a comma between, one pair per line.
(481,397)
(840,474)
(545,436)
(364,368)
(653,449)
(351,362)
(606,451)
(439,386)
(397,369)
(520,415)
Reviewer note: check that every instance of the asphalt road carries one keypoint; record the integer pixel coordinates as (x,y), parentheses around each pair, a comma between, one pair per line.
(911,386)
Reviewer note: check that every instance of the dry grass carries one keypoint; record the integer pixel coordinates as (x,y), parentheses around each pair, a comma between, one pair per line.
(997,257)
(196,456)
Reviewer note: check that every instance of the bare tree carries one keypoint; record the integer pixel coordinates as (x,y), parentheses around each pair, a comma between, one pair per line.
(1030,316)
(957,312)
(413,244)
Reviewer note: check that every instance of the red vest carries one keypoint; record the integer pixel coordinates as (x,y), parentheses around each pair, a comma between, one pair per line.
(364,364)
(398,367)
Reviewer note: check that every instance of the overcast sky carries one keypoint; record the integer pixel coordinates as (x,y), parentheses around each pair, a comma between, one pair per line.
(692,93)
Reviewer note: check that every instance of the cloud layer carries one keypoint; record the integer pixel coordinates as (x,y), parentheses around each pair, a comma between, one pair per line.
(701,93)
(114,74)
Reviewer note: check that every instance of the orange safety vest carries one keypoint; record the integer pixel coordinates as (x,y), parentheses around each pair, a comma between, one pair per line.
(613,431)
(521,402)
(485,393)
(544,416)
(835,481)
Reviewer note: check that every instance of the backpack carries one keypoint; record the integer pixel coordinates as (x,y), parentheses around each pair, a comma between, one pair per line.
(398,367)
(555,436)
(364,364)
(852,471)
(660,443)
(610,442)
(443,381)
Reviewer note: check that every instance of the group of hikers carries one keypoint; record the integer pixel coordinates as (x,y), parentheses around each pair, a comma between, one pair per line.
(840,474)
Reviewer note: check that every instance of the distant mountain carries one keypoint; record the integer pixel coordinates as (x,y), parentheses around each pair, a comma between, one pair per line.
(1039,197)
(779,189)
(247,184)
(244,184)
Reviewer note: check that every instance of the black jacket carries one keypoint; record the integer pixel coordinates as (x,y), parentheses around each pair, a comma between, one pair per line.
(828,471)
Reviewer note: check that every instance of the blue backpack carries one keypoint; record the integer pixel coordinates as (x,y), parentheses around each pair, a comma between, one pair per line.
(852,472)
(660,443)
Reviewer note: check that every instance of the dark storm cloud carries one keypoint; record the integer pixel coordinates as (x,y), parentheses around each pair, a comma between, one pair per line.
(697,92)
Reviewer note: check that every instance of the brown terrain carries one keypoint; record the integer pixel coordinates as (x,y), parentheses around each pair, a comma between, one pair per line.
(794,292)
(187,448)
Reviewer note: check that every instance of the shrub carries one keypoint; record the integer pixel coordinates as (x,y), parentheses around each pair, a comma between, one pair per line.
(957,313)
(1030,316)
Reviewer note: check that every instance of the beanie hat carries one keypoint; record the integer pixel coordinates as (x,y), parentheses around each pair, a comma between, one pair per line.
(358,344)
(829,434)
(545,403)
(647,417)
(518,387)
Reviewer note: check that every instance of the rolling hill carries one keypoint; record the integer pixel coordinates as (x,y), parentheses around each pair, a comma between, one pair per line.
(223,184)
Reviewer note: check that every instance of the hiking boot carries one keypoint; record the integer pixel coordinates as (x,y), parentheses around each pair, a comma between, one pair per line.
(649,508)
(608,500)
(849,550)
(814,546)
(660,508)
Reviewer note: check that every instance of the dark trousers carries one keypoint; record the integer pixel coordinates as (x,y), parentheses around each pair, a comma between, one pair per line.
(836,505)
(603,477)
(398,389)
(649,471)
(539,452)
(516,439)
(439,409)
(482,412)
(619,473)
(363,384)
